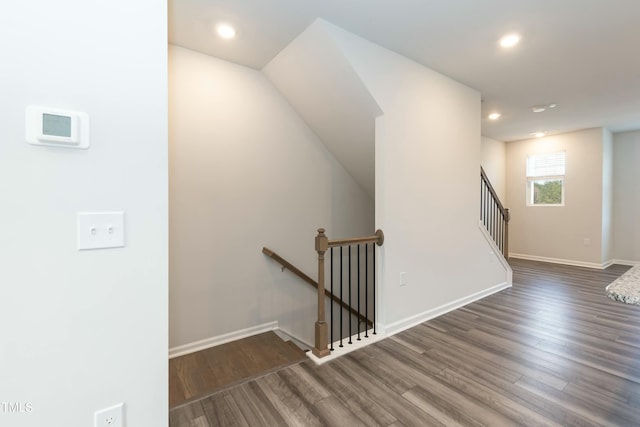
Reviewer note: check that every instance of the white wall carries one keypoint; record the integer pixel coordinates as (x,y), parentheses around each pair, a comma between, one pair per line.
(558,233)
(427,184)
(626,196)
(493,161)
(320,84)
(84,330)
(246,172)
(607,196)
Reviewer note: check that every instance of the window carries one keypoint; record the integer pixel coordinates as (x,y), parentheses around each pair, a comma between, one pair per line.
(545,179)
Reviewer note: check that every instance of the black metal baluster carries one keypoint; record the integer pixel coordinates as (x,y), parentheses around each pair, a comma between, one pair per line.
(374,288)
(501,232)
(504,232)
(341,310)
(498,214)
(366,289)
(498,238)
(484,207)
(359,293)
(486,204)
(481,195)
(350,320)
(488,217)
(493,219)
(482,202)
(486,210)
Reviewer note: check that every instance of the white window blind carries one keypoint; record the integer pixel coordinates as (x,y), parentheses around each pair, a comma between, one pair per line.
(545,165)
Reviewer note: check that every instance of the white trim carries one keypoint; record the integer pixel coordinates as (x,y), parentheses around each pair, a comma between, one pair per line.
(348,348)
(607,264)
(286,336)
(181,350)
(417,319)
(396,327)
(595,265)
(623,262)
(497,252)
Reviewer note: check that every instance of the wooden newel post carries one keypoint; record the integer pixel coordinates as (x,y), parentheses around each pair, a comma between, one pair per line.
(321,348)
(506,233)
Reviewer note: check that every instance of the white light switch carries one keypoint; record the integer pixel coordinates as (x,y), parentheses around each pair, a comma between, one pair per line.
(99,230)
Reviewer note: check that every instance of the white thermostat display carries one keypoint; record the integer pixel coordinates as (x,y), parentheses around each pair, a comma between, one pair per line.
(48,126)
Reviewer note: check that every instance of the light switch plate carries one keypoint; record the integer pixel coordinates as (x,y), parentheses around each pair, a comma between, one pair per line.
(100,230)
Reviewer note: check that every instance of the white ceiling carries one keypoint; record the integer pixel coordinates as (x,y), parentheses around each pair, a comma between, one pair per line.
(581,54)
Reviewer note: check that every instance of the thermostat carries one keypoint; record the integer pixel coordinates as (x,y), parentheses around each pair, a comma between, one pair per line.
(57,128)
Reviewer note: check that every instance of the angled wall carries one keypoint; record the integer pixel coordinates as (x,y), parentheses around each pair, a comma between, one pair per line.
(427,178)
(320,83)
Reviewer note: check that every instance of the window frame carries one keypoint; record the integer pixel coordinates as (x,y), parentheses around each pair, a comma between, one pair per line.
(530,192)
(532,179)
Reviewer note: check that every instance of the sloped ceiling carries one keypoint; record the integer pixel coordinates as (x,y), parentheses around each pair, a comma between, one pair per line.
(319,82)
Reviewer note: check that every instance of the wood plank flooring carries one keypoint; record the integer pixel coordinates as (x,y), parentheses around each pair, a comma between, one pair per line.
(205,372)
(553,350)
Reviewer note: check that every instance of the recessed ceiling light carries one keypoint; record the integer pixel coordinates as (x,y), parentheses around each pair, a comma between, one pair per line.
(509,40)
(538,134)
(494,116)
(226,31)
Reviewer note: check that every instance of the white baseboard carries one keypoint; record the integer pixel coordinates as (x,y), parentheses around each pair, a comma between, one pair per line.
(624,262)
(417,319)
(599,266)
(287,336)
(181,350)
(607,264)
(383,331)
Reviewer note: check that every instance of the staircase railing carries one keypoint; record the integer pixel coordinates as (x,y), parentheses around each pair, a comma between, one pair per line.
(360,289)
(493,215)
(295,270)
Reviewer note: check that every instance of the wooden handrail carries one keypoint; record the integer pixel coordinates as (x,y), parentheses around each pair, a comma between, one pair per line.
(292,268)
(505,212)
(378,239)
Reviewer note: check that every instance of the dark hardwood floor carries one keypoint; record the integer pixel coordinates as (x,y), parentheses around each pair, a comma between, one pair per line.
(552,350)
(205,372)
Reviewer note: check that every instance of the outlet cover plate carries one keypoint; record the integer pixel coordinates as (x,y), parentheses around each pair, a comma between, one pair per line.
(110,417)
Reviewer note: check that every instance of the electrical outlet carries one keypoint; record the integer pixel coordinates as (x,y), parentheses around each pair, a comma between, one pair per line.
(110,417)
(586,241)
(403,279)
